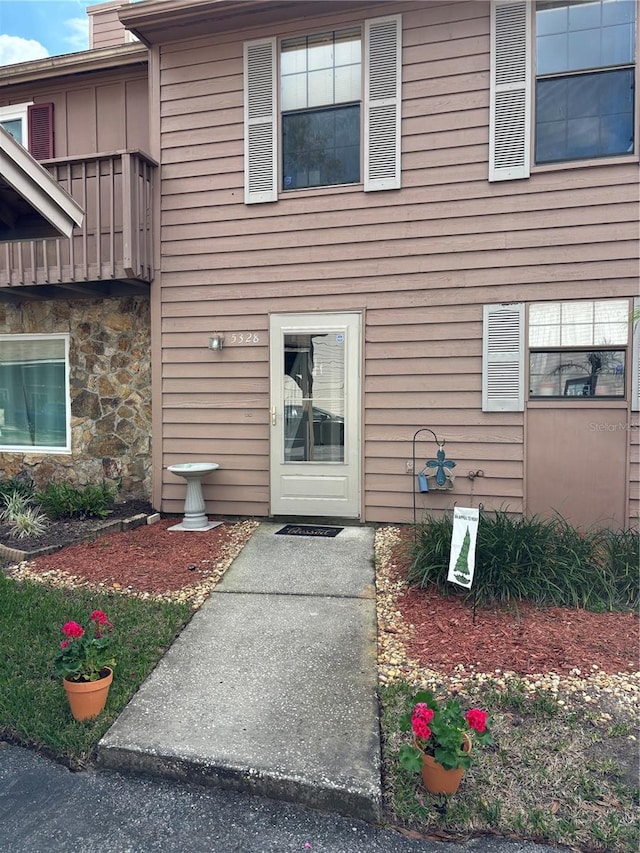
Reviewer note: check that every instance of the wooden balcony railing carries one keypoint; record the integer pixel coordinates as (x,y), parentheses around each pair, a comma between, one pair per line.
(114,243)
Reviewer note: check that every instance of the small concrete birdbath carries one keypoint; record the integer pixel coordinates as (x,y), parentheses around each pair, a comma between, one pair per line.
(194,515)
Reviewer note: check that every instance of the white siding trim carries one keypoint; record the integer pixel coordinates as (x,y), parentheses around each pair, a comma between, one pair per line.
(510,90)
(260,121)
(503,357)
(382,102)
(635,358)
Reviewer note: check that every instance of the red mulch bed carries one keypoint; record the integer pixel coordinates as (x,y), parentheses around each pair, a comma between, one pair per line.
(526,640)
(529,641)
(149,558)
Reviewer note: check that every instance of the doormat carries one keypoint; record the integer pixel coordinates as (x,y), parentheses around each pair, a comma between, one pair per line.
(309,530)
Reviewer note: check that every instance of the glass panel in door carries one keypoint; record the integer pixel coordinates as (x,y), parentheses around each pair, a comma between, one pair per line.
(314,397)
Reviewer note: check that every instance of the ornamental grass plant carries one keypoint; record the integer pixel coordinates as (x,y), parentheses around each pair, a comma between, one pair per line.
(546,561)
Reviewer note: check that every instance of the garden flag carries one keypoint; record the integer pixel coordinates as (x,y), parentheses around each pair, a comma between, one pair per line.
(463,546)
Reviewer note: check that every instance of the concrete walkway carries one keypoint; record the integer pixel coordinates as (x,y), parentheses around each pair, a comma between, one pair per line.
(271,688)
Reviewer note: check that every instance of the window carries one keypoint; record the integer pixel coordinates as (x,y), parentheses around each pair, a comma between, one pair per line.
(32,126)
(584,79)
(34,393)
(333,100)
(570,63)
(14,120)
(578,349)
(320,85)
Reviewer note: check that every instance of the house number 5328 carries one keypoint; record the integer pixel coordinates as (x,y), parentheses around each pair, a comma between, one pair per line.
(245,338)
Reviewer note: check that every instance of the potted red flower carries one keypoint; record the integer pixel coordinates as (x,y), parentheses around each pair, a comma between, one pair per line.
(85,662)
(442,740)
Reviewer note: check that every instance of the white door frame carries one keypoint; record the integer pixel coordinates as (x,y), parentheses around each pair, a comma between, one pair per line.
(329,489)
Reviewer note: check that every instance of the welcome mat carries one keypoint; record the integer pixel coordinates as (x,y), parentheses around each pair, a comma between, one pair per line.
(309,530)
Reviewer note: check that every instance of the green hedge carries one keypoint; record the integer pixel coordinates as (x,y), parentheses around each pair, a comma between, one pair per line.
(546,561)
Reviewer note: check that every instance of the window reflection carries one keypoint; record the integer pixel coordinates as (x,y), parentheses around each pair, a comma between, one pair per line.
(591,363)
(314,397)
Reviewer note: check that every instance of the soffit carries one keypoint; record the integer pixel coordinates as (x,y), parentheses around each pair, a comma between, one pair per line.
(156,21)
(96,59)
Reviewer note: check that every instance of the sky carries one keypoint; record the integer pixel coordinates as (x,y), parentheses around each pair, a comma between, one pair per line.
(35,29)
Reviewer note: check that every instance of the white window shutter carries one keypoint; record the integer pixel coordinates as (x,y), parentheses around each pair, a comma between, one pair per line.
(382,102)
(635,359)
(260,122)
(510,90)
(503,358)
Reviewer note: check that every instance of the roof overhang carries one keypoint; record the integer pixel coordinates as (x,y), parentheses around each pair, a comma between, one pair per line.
(155,21)
(33,205)
(82,62)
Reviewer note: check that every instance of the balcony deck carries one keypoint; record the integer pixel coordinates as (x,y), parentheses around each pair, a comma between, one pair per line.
(110,254)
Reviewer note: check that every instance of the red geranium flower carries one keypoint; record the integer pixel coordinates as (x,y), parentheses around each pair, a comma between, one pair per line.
(477,719)
(85,654)
(100,617)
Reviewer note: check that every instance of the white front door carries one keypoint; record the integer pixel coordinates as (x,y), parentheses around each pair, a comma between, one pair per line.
(315,415)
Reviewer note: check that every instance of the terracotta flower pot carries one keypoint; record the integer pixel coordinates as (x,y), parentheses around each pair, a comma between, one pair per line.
(88,698)
(436,779)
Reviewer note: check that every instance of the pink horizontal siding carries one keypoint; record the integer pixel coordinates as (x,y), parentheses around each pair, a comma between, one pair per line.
(419,263)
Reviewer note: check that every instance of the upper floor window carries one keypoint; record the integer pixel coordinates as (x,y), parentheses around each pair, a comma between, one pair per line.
(332,100)
(14,120)
(567,68)
(34,393)
(584,99)
(32,126)
(321,86)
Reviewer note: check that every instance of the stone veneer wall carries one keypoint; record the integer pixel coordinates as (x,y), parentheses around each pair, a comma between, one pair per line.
(110,382)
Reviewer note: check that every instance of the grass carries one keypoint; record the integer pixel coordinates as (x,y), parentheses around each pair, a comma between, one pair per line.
(554,774)
(33,706)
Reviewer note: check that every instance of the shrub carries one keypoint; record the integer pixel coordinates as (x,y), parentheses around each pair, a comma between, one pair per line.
(20,485)
(547,561)
(60,500)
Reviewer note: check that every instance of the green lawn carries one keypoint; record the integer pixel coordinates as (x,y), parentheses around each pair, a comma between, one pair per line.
(33,706)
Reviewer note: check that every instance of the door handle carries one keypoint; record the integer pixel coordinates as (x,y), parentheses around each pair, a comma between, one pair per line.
(273,415)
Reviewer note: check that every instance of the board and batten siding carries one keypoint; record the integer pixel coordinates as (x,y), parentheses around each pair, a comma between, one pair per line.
(419,263)
(94,113)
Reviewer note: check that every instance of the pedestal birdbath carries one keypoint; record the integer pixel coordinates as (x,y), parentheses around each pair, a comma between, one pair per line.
(194,515)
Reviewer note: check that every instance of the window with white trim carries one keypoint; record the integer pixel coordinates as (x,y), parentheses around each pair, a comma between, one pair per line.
(575,349)
(332,100)
(14,119)
(34,393)
(578,349)
(32,126)
(577,84)
(584,79)
(320,94)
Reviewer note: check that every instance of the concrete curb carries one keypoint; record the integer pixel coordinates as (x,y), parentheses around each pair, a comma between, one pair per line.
(322,795)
